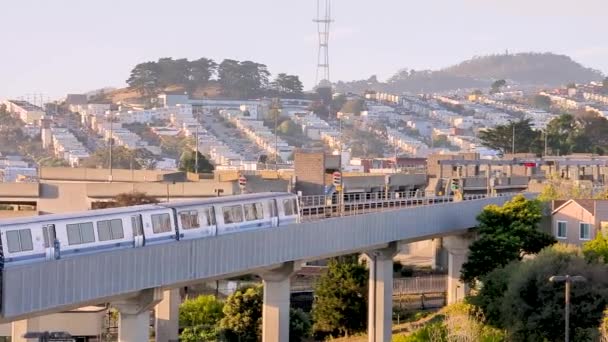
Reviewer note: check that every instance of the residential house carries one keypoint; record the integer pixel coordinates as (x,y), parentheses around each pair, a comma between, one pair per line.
(577,221)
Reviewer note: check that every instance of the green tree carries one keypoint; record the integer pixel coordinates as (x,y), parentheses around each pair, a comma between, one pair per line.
(354,106)
(506,233)
(187,163)
(53,162)
(122,158)
(299,325)
(497,86)
(289,127)
(501,138)
(173,146)
(272,115)
(243,314)
(200,72)
(288,85)
(199,319)
(532,307)
(596,250)
(145,78)
(339,307)
(242,79)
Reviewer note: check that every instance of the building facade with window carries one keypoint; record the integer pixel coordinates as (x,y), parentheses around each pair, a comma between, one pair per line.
(577,221)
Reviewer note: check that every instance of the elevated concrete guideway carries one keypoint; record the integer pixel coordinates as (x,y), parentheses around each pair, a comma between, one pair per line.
(91,279)
(136,280)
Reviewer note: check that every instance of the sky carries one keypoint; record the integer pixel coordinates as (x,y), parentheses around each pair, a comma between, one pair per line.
(55,47)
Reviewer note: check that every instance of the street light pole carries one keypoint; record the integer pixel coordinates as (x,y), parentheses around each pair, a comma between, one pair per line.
(568,280)
(111,142)
(513,141)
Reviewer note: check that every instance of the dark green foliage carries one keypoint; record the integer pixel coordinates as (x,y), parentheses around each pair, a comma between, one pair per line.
(199,317)
(288,85)
(489,298)
(497,86)
(501,138)
(187,163)
(299,325)
(584,133)
(339,308)
(243,315)
(122,158)
(506,234)
(532,309)
(243,79)
(145,78)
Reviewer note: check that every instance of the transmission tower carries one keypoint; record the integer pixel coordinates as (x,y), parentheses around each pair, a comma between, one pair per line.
(323,21)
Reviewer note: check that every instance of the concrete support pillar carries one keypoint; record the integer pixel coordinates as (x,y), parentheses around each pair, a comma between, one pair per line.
(380,302)
(20,328)
(167,317)
(439,256)
(457,248)
(134,315)
(275,310)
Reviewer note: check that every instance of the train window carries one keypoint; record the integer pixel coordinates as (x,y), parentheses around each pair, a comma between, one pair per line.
(288,206)
(110,230)
(253,211)
(189,219)
(137,225)
(19,240)
(233,214)
(79,233)
(26,240)
(48,233)
(161,223)
(12,238)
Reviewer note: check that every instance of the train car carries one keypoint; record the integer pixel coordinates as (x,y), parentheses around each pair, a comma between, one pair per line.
(222,215)
(55,236)
(48,237)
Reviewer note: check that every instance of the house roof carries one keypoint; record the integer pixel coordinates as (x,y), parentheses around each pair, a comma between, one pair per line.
(587,204)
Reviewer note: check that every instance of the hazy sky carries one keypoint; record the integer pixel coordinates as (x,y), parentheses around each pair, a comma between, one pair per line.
(60,46)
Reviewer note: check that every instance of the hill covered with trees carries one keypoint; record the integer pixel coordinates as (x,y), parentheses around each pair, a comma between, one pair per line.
(204,77)
(543,69)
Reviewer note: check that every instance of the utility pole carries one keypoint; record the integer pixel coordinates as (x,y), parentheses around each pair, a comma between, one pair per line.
(513,141)
(196,142)
(568,280)
(111,142)
(275,107)
(546,135)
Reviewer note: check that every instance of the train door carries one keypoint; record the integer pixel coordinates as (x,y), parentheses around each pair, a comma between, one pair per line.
(274,214)
(51,244)
(138,230)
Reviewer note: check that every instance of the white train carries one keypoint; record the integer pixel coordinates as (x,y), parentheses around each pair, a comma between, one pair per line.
(55,236)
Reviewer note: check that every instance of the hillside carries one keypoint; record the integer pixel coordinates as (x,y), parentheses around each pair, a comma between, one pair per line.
(541,69)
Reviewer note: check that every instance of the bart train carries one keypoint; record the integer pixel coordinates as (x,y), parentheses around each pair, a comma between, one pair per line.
(58,236)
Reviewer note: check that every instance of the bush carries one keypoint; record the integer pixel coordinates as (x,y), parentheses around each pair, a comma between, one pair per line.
(520,299)
(428,333)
